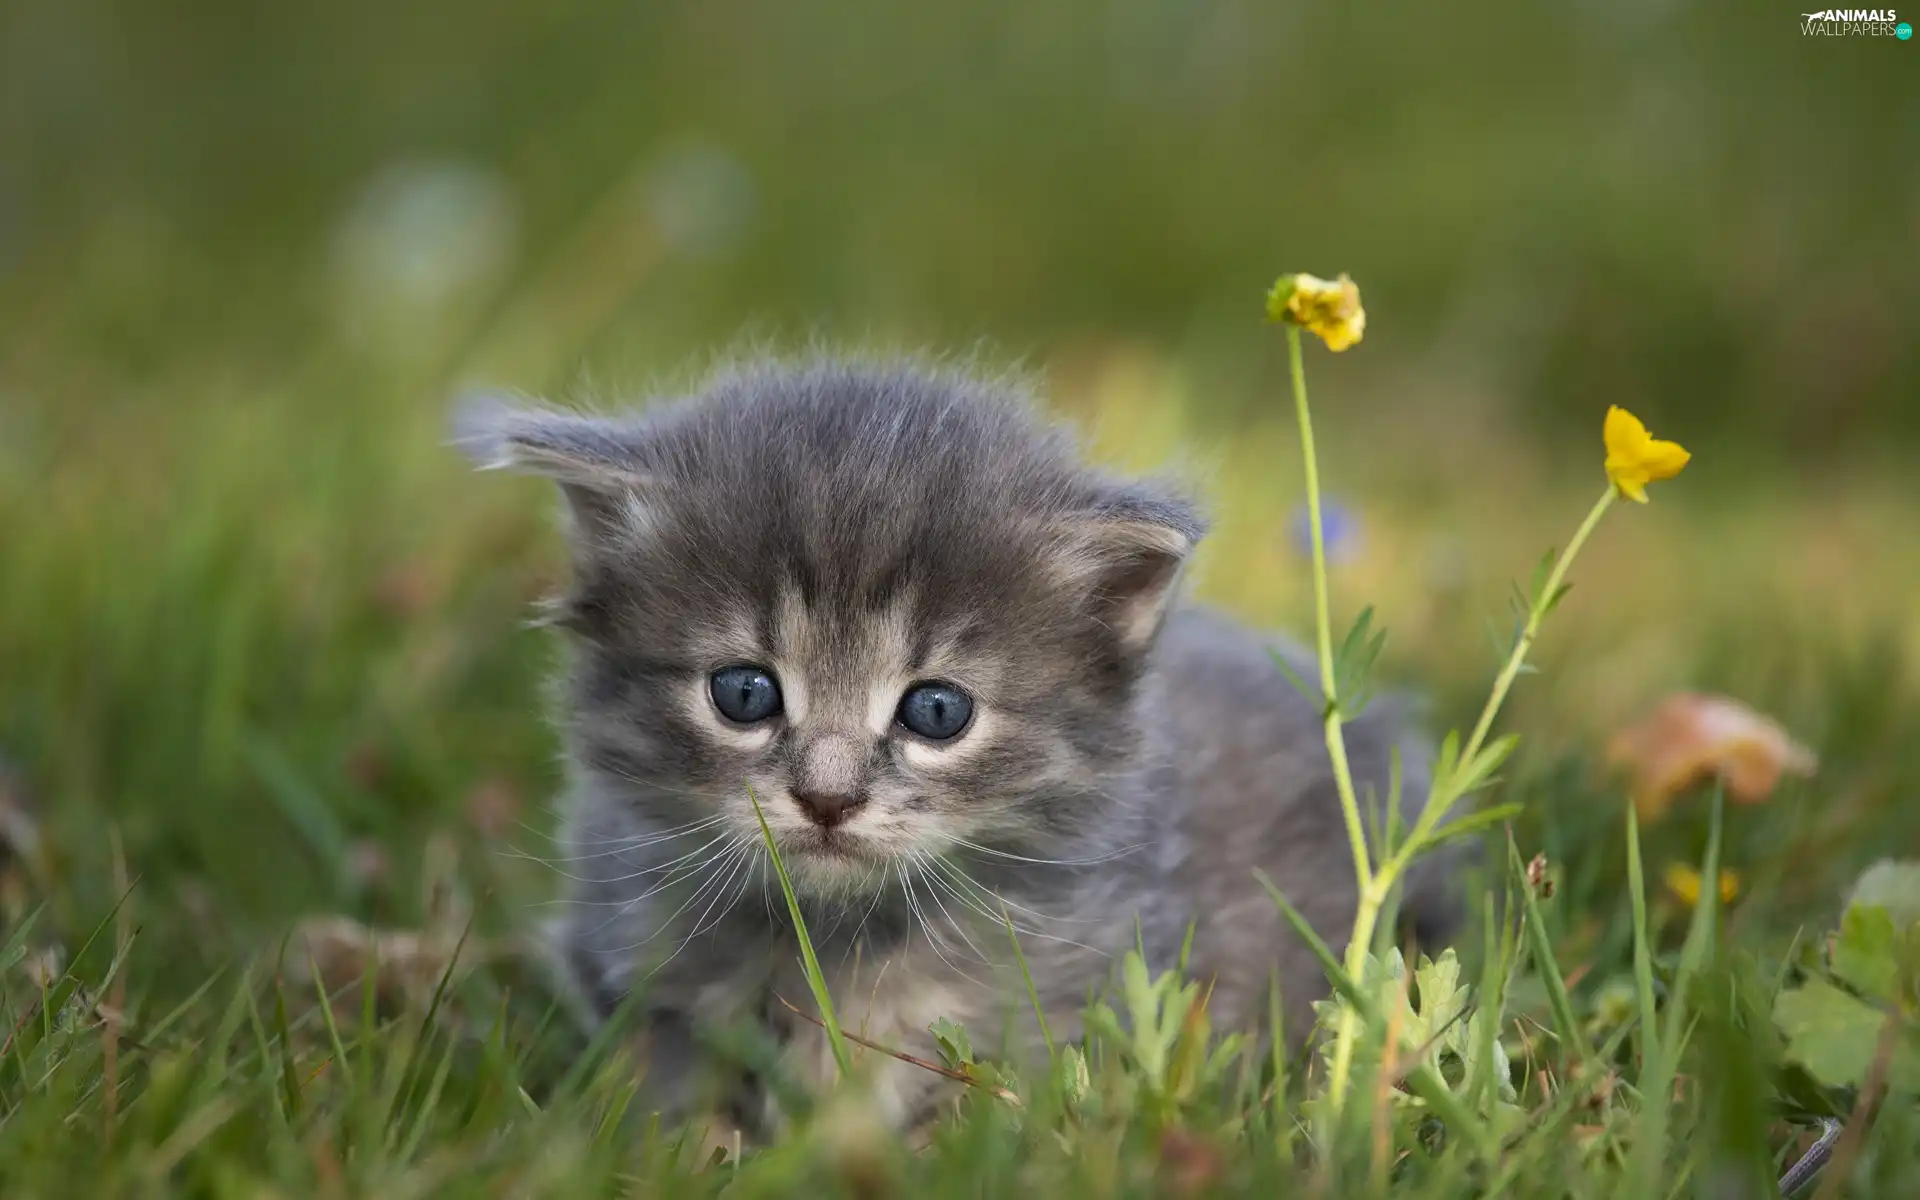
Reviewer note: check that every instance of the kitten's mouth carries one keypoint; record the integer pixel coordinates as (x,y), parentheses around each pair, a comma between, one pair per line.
(829,845)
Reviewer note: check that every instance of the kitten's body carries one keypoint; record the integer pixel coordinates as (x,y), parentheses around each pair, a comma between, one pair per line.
(1129,763)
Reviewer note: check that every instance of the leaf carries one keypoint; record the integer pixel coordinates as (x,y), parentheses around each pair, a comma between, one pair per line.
(1353,664)
(1470,825)
(1442,999)
(1279,295)
(1478,771)
(955,1046)
(1835,1037)
(1449,757)
(1540,573)
(1070,1072)
(1866,954)
(1691,738)
(1287,672)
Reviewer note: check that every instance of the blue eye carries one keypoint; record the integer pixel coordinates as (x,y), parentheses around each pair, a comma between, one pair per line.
(936,711)
(744,694)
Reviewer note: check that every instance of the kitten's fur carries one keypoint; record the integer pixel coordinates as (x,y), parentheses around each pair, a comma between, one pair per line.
(1130,762)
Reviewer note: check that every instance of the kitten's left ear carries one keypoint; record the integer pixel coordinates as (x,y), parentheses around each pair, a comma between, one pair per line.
(1130,551)
(596,461)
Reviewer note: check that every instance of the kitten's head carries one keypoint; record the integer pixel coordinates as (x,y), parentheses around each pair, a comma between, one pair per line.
(891,603)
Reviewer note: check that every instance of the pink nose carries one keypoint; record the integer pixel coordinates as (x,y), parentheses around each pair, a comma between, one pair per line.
(827,809)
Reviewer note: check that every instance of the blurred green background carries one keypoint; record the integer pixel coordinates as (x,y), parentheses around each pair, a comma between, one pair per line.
(255,618)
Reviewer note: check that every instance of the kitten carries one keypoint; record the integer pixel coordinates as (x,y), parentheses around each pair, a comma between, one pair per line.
(951,664)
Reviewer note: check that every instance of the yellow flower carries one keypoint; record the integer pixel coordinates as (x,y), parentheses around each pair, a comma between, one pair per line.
(1329,308)
(1684,882)
(1635,457)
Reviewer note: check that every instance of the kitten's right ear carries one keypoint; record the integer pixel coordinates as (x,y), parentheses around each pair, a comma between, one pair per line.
(595,461)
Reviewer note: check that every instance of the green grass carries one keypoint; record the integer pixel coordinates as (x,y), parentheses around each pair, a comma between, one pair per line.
(251,646)
(262,655)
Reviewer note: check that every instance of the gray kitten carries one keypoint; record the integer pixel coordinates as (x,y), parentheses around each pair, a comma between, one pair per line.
(949,661)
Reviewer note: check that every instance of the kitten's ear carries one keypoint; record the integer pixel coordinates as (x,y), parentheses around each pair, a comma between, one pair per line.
(1129,552)
(596,462)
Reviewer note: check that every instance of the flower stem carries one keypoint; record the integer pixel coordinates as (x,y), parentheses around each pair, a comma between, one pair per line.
(1536,613)
(1367,913)
(1446,791)
(1323,622)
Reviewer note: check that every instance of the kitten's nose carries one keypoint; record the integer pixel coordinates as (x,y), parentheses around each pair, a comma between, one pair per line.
(827,809)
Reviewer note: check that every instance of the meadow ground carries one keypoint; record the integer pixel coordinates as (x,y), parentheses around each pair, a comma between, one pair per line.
(263,661)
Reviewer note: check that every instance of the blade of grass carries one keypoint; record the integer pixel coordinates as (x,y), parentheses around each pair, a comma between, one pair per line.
(816,979)
(1572,1038)
(1642,954)
(1033,993)
(289,1071)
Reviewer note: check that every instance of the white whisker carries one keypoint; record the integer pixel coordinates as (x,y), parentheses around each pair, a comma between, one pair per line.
(643,872)
(1048,862)
(934,891)
(980,895)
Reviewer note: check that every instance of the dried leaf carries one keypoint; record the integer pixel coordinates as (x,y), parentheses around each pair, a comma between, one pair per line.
(1691,738)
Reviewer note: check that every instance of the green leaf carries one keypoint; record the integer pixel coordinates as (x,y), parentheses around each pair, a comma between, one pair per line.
(1540,573)
(1287,672)
(1478,771)
(1277,297)
(1353,663)
(1866,955)
(1471,825)
(1835,1036)
(1442,999)
(955,1046)
(1449,757)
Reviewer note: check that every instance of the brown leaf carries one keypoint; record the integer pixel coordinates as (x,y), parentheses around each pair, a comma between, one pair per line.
(1691,738)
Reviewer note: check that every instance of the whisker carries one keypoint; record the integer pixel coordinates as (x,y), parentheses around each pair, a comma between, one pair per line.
(934,891)
(644,871)
(728,860)
(926,926)
(878,894)
(1048,862)
(999,900)
(708,916)
(626,906)
(614,847)
(981,893)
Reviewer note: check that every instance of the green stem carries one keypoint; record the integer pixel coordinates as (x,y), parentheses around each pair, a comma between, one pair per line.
(1535,615)
(1445,791)
(1367,913)
(1323,622)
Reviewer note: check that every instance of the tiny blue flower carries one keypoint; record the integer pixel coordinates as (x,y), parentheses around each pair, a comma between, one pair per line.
(1338,526)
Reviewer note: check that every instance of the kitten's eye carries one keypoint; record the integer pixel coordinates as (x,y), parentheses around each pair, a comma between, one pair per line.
(744,694)
(935,710)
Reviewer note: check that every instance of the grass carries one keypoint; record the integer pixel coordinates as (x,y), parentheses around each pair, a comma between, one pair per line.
(304,691)
(283,700)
